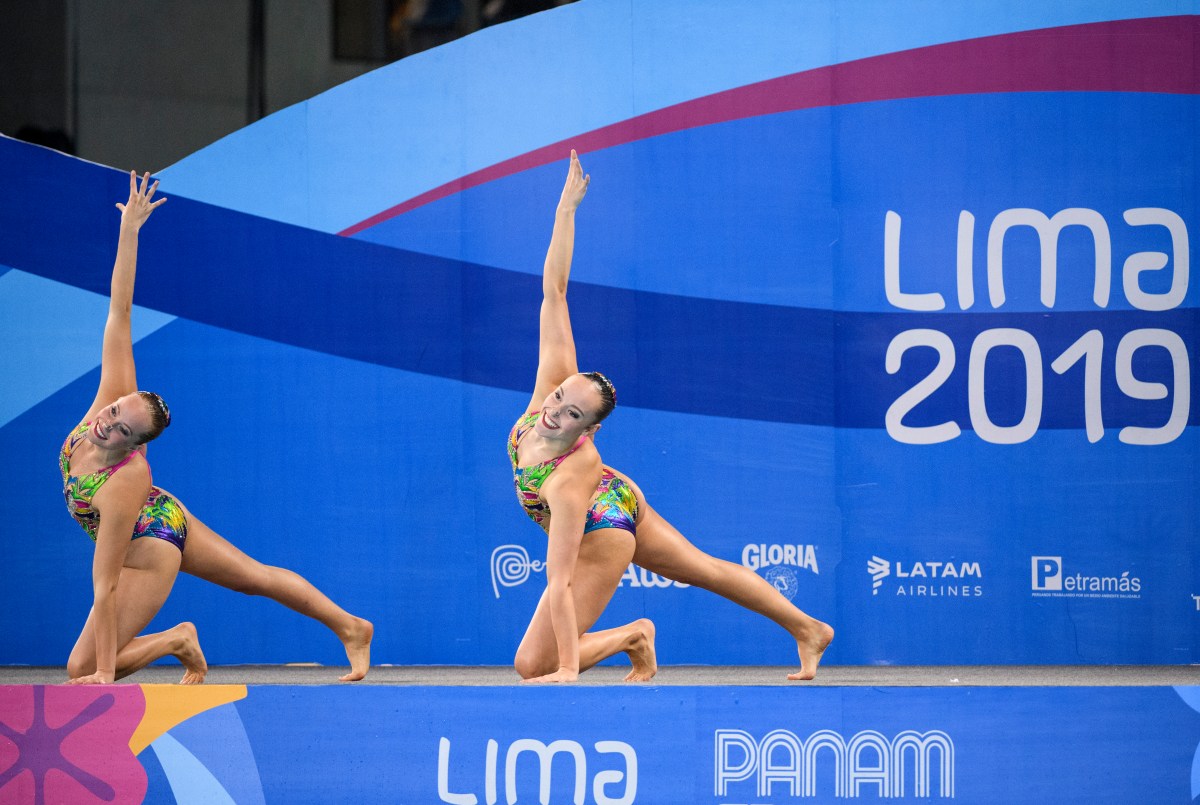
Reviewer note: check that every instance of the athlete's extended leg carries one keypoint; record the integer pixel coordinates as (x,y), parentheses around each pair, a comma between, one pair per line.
(213,558)
(663,550)
(146,579)
(604,555)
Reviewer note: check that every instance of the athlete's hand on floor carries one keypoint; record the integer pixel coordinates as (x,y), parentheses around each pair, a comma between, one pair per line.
(92,679)
(561,675)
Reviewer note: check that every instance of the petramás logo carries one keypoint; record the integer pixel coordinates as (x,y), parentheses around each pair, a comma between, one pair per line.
(614,777)
(1048,580)
(778,564)
(869,764)
(926,579)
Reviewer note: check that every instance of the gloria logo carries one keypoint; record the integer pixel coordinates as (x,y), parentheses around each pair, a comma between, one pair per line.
(868,764)
(777,563)
(610,786)
(927,579)
(511,566)
(1049,580)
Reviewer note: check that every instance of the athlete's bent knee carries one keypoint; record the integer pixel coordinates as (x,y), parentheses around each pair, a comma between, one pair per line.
(528,665)
(78,666)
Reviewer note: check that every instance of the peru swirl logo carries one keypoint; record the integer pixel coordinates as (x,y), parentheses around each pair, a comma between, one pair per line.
(511,566)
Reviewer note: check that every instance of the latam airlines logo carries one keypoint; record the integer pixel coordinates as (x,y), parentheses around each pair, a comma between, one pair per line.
(927,579)
(610,786)
(868,764)
(779,564)
(1050,581)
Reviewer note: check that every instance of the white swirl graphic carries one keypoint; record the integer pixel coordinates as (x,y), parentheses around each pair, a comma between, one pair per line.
(511,566)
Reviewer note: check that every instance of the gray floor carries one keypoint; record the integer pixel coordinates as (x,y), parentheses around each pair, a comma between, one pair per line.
(829,675)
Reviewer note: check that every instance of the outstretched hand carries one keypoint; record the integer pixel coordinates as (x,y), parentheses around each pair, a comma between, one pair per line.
(576,187)
(138,207)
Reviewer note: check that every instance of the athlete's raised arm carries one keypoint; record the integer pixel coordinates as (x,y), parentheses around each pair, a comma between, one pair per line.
(117,374)
(556,346)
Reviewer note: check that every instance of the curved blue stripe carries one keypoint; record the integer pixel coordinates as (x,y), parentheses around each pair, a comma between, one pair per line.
(779,209)
(431,118)
(478,324)
(43,345)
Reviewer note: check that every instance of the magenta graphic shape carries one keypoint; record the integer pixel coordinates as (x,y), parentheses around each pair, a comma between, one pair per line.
(80,733)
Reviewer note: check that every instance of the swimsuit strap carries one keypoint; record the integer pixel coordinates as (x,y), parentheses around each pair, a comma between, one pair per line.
(69,449)
(76,436)
(119,464)
(558,460)
(518,434)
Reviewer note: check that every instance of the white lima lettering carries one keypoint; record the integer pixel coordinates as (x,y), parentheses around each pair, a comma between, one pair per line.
(1049,229)
(890,768)
(544,754)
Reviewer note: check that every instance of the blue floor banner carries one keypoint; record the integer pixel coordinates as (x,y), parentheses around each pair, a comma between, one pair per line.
(602,745)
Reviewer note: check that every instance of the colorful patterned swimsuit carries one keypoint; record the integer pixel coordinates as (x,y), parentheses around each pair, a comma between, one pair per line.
(615,506)
(161,516)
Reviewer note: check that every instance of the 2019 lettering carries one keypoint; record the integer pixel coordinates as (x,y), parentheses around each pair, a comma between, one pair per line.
(1087,350)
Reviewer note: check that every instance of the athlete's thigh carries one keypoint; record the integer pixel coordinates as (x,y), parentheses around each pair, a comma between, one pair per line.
(604,555)
(147,577)
(663,550)
(209,556)
(151,566)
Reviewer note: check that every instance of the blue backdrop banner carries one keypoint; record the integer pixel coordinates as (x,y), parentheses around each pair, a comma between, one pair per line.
(901,305)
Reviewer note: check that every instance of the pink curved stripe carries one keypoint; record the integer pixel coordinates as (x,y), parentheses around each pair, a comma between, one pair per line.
(1158,54)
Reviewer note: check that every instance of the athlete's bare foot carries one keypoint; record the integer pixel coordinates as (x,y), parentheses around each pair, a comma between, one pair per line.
(187,651)
(358,649)
(641,652)
(811,649)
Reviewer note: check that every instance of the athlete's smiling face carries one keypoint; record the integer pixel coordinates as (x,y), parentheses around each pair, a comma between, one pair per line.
(569,410)
(121,424)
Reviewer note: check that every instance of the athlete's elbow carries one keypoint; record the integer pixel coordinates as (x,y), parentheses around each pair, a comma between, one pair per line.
(104,590)
(558,586)
(554,288)
(120,311)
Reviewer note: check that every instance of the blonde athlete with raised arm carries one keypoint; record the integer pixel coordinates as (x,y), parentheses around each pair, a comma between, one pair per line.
(144,536)
(601,520)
